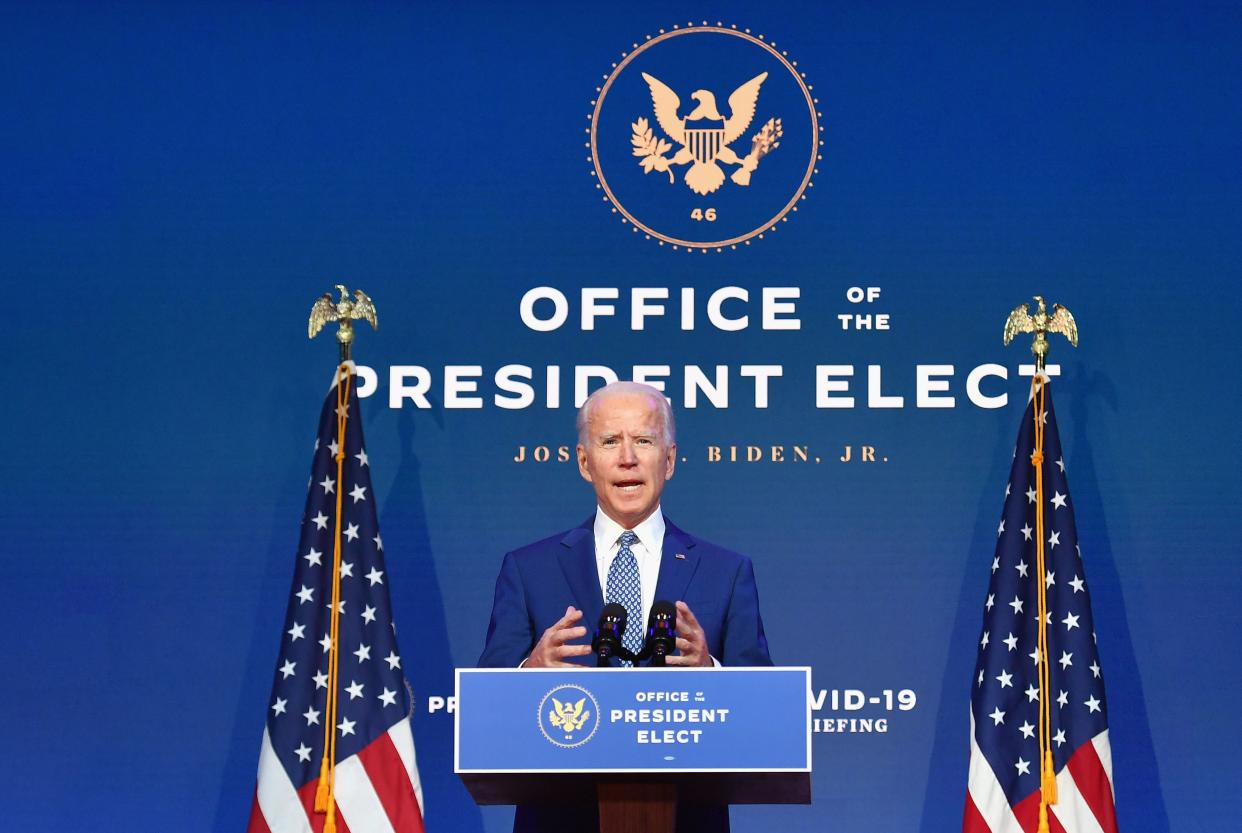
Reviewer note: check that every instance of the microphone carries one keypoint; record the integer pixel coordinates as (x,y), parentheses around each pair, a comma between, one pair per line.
(661,633)
(607,641)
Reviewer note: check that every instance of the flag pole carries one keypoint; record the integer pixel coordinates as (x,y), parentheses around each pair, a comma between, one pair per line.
(344,312)
(1061,321)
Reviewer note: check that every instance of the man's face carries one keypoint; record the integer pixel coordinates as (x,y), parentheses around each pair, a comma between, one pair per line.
(625,457)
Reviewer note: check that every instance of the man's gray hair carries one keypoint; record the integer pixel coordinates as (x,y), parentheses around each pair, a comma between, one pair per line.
(668,427)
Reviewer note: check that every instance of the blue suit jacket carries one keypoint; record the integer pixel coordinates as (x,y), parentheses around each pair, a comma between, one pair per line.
(538,581)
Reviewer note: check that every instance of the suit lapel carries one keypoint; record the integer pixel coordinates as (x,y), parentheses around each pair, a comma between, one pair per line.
(577,558)
(678,561)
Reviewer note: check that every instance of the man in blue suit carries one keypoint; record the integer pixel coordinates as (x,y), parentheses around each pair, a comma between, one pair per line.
(549,592)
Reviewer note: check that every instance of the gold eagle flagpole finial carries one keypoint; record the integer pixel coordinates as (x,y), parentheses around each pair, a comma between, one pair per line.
(345,311)
(1041,323)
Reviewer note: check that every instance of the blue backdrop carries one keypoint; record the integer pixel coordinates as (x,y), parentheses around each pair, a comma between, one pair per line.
(182,180)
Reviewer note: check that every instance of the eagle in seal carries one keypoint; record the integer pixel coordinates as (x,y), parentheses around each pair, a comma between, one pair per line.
(704,134)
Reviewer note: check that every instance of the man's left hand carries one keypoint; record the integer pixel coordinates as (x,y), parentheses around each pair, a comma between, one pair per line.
(691,641)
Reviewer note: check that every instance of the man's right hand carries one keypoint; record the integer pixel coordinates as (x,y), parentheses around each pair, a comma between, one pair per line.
(551,650)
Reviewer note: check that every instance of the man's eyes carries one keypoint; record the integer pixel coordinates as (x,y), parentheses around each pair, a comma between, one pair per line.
(613,442)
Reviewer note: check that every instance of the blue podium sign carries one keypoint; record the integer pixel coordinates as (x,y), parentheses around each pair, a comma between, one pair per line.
(633,720)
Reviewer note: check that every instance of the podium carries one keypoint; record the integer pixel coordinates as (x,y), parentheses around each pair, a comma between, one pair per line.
(634,741)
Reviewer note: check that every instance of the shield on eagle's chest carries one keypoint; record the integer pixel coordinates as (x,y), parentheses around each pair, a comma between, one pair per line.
(704,142)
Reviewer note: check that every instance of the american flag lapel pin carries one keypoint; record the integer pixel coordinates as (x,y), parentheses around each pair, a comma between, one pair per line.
(680,555)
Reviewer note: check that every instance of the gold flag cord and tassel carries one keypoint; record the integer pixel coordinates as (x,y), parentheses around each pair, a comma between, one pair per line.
(1048,778)
(325,799)
(1041,323)
(357,306)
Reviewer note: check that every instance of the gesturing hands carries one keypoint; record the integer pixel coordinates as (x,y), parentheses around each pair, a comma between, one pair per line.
(551,650)
(691,640)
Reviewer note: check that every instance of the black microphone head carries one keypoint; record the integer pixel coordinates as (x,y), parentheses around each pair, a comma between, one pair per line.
(663,616)
(614,618)
(661,632)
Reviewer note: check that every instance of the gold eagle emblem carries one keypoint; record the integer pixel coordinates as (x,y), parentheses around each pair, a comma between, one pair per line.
(704,135)
(568,719)
(1021,321)
(345,312)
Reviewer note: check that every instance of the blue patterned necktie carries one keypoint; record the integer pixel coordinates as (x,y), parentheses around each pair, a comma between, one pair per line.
(625,588)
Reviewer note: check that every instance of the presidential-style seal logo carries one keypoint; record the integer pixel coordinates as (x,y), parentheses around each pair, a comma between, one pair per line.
(704,137)
(568,716)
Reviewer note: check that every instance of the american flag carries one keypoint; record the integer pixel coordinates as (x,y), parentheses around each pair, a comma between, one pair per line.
(376,781)
(1003,793)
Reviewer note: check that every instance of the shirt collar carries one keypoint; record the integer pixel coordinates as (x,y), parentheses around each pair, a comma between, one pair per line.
(650,532)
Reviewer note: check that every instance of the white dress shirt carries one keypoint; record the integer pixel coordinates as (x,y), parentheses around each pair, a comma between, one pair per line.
(647,550)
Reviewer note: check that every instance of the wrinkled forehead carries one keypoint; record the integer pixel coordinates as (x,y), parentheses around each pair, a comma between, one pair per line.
(625,413)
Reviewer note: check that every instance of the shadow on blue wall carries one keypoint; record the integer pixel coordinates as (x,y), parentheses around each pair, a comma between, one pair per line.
(423,634)
(1136,776)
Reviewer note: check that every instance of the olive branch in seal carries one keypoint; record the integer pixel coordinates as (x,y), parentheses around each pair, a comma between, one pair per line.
(649,149)
(762,143)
